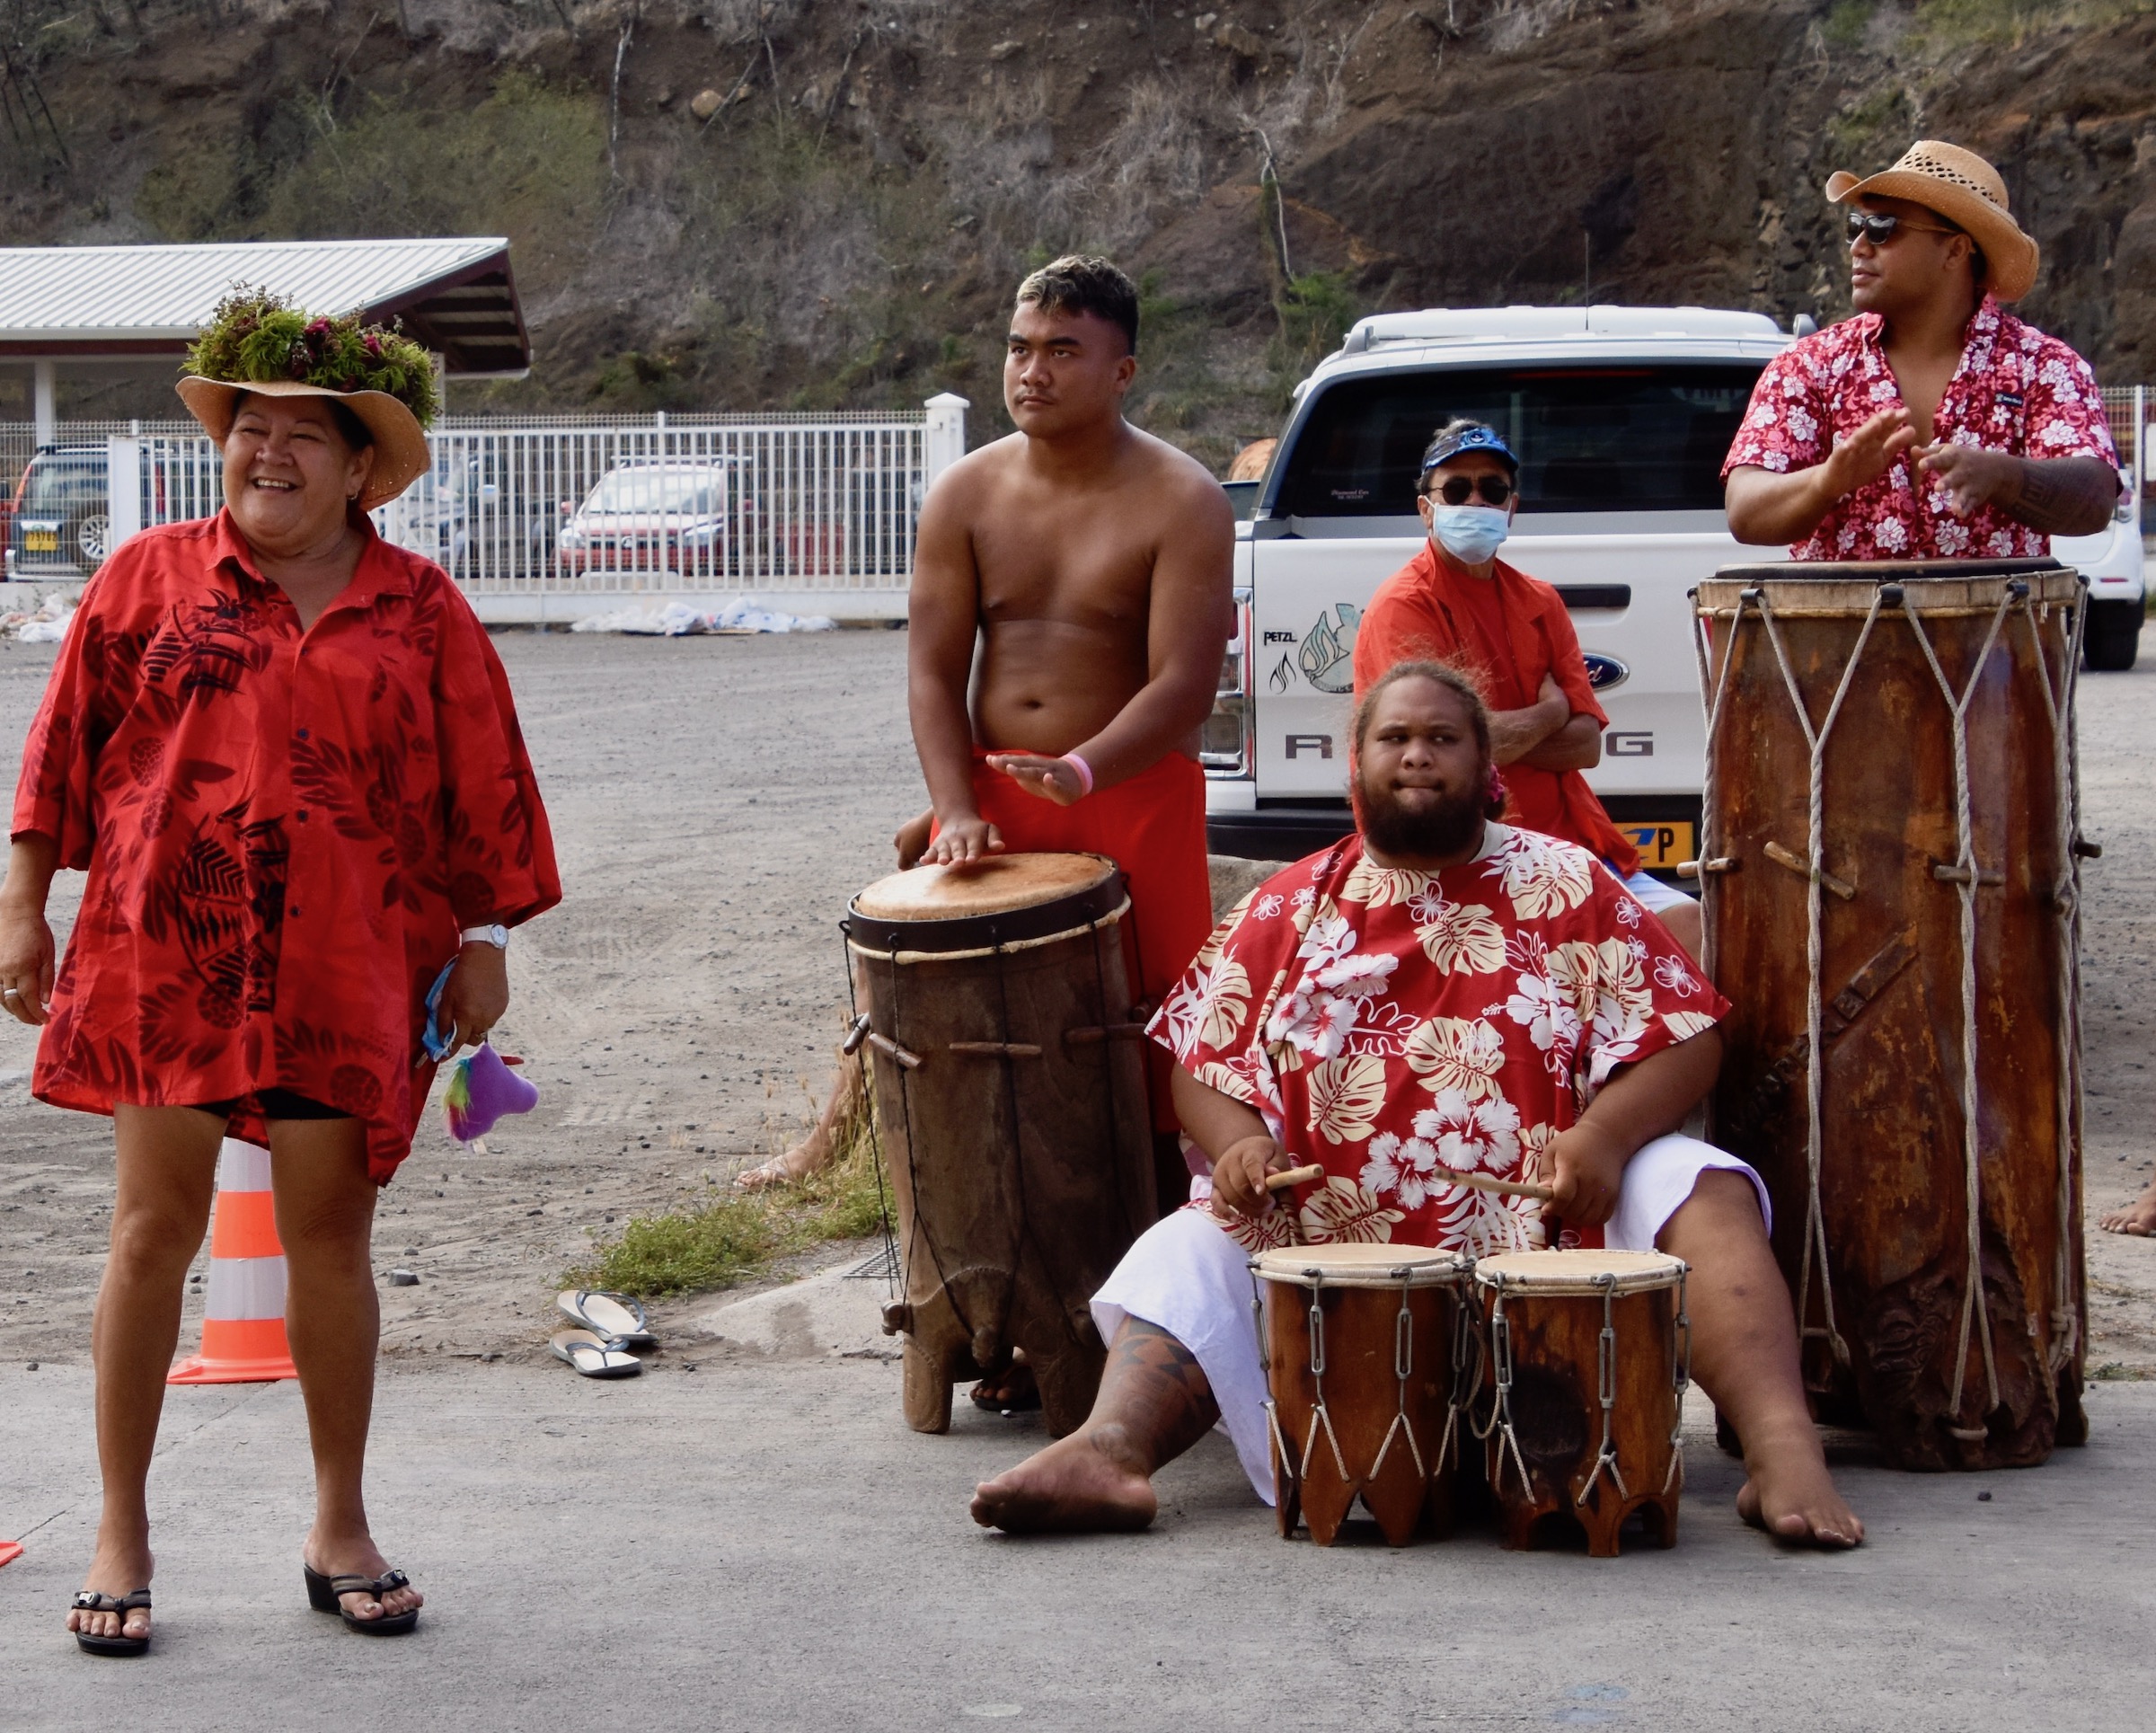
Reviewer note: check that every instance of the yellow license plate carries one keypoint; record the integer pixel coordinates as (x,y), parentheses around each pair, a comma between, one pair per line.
(1661,846)
(41,541)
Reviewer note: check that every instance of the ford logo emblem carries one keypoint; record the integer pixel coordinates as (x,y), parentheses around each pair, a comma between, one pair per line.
(1604,672)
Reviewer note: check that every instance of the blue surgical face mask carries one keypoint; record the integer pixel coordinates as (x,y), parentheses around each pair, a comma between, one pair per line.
(1470,534)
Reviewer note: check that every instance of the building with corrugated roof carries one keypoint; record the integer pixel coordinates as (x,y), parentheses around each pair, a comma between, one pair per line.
(86,309)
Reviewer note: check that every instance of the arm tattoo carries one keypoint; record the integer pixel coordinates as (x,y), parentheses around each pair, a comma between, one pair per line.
(2064,495)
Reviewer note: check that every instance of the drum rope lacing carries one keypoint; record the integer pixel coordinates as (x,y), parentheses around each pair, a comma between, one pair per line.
(1605,1379)
(2059,711)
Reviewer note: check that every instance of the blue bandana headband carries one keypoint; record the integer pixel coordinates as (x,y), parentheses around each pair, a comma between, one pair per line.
(1473,438)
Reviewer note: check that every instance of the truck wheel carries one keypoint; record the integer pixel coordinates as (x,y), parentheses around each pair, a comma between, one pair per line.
(2112,639)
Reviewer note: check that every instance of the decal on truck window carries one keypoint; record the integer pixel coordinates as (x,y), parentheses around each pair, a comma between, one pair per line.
(1328,653)
(1299,744)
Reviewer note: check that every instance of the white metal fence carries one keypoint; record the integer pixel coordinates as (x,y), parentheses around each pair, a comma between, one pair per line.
(559,516)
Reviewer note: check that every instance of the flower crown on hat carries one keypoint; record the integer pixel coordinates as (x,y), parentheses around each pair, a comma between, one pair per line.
(256,338)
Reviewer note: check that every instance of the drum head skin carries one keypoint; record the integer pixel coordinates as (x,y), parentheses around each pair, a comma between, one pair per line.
(1580,1272)
(995,886)
(1005,899)
(1359,1266)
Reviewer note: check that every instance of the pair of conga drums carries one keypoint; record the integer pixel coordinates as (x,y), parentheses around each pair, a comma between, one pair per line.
(1011,1099)
(1386,1363)
(1890,873)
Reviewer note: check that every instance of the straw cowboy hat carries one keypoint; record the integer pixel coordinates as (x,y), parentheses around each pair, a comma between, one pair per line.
(1965,189)
(401,453)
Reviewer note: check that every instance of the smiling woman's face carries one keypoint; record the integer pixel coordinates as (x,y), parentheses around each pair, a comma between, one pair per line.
(289,474)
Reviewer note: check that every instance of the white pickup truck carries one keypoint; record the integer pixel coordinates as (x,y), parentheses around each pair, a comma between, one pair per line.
(1622,417)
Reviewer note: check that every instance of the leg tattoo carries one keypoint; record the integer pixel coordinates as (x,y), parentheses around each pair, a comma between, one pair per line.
(1154,1389)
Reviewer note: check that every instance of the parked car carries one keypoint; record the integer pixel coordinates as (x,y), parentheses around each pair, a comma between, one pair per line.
(687,518)
(1622,417)
(60,525)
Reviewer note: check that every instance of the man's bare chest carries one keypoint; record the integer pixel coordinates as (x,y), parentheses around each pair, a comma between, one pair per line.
(1076,569)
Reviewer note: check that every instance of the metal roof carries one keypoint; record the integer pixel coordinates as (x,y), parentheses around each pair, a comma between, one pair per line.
(455,295)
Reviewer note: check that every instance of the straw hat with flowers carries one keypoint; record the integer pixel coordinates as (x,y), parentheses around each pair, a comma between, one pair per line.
(255,343)
(1967,191)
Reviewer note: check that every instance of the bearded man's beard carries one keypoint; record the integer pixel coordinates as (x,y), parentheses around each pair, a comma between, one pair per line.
(1446,827)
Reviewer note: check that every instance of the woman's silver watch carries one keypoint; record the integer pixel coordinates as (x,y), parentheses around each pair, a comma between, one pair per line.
(497,935)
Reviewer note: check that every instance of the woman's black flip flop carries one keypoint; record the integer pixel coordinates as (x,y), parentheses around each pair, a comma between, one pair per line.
(322,1593)
(90,1601)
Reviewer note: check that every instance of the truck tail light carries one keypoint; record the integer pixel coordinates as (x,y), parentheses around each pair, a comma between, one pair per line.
(1228,750)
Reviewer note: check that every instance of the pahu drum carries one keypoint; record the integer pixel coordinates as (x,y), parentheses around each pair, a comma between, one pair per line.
(1890,870)
(1590,1352)
(1010,1098)
(1370,1382)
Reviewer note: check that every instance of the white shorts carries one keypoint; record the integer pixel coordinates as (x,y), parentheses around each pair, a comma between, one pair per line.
(1650,890)
(1186,1276)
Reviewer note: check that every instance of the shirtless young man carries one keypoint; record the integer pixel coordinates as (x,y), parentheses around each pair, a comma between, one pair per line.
(1090,564)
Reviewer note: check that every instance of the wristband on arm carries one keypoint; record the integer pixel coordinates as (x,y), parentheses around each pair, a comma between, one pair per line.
(1085,773)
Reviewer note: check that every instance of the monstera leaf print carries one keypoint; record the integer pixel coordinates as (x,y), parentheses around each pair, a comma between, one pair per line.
(1543,876)
(1342,1212)
(1345,1096)
(1460,938)
(1274,1228)
(1227,995)
(1460,1053)
(1377,887)
(1685,1024)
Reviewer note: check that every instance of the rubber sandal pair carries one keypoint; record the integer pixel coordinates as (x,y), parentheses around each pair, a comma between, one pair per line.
(594,1355)
(615,1317)
(323,1593)
(89,1600)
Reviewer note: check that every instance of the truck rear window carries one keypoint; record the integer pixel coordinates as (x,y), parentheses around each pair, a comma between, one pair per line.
(1589,438)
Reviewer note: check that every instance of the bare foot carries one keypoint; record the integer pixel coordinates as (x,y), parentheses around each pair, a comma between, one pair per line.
(117,1569)
(1791,1495)
(1091,1482)
(2137,1218)
(1012,1390)
(359,1556)
(812,1154)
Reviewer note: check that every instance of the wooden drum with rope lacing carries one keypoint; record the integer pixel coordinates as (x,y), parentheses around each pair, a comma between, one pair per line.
(1890,867)
(1011,1104)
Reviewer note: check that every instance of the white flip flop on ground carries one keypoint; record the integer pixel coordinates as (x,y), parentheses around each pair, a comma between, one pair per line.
(594,1356)
(615,1317)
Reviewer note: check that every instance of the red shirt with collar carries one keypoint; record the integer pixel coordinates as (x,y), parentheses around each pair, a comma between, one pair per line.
(2014,391)
(285,830)
(1508,631)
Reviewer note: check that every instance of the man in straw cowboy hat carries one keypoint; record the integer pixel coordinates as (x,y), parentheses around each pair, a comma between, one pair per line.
(1933,424)
(287,758)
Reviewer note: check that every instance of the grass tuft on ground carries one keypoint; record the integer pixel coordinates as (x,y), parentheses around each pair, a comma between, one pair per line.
(733,1237)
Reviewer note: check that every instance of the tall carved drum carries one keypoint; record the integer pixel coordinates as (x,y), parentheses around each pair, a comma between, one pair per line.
(1890,872)
(1011,1101)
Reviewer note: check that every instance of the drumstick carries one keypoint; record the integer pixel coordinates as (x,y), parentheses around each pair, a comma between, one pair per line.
(1503,1187)
(1294,1176)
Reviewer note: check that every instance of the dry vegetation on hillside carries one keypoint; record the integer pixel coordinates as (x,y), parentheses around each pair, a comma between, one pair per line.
(844,226)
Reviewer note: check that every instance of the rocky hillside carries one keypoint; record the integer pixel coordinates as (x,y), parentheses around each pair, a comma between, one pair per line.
(754,203)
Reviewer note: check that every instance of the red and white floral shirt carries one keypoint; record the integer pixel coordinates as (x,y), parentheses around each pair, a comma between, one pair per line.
(1388,1023)
(2016,390)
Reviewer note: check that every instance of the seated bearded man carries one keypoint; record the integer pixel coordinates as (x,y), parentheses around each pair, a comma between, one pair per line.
(1435,992)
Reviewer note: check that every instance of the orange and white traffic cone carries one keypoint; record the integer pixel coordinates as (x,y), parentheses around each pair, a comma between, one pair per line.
(243,1324)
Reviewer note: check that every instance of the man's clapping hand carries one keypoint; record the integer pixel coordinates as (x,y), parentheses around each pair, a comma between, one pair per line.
(1052,779)
(1869,453)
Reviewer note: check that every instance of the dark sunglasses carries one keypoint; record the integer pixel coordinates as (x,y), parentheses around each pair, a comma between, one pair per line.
(1458,490)
(1879,228)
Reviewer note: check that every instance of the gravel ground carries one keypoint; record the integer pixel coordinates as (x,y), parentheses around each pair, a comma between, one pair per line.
(715,802)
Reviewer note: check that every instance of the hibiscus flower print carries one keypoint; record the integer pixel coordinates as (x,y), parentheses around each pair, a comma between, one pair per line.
(1268,905)
(1458,1053)
(1471,1136)
(1672,977)
(1404,1168)
(1541,1006)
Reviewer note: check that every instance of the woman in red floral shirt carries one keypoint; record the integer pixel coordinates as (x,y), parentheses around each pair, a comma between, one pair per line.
(286,755)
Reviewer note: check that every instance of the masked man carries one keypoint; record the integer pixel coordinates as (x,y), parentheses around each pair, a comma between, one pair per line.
(1456,602)
(1436,994)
